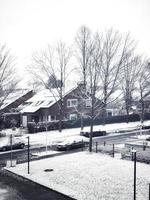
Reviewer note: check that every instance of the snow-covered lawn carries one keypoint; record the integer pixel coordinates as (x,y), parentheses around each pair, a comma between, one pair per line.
(89,176)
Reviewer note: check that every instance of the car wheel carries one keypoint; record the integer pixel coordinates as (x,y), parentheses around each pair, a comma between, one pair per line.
(22,146)
(4,149)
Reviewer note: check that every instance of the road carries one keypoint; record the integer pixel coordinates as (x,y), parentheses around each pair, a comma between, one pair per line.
(21,155)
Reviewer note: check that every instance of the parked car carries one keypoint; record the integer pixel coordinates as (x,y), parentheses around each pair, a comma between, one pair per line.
(95,133)
(17,143)
(72,143)
(148,138)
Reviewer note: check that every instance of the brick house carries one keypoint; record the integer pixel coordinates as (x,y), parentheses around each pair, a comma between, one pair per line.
(44,106)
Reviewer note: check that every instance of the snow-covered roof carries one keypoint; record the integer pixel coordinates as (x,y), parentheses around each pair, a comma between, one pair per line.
(43,99)
(12,97)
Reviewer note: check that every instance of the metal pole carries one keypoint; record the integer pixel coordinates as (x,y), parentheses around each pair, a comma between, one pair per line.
(149,191)
(96,146)
(134,175)
(113,150)
(28,155)
(11,150)
(46,131)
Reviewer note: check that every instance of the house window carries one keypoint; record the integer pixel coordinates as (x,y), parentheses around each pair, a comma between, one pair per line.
(51,117)
(109,114)
(73,116)
(72,103)
(88,103)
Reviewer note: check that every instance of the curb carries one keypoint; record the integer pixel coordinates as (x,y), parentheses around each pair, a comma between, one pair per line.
(19,177)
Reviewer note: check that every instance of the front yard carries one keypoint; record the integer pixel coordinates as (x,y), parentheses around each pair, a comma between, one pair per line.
(89,176)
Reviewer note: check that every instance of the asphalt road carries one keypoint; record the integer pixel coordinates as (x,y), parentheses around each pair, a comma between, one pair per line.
(21,155)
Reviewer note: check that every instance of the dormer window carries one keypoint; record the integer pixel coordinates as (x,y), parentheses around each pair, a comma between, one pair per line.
(72,103)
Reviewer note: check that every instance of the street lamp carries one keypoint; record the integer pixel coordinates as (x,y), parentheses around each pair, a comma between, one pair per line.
(134,152)
(28,155)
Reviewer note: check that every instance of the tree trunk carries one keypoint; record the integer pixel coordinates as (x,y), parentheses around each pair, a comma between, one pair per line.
(142,111)
(91,133)
(82,124)
(91,125)
(104,114)
(127,111)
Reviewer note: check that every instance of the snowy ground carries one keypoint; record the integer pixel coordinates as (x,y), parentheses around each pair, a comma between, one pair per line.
(89,176)
(53,137)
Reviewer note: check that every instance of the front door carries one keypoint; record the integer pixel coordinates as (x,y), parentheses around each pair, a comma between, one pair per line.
(24,121)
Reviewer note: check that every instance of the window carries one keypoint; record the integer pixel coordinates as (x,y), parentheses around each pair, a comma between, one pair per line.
(72,103)
(109,113)
(51,117)
(73,116)
(88,103)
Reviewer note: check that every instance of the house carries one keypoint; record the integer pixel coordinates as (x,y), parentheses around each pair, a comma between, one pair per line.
(44,106)
(9,108)
(13,100)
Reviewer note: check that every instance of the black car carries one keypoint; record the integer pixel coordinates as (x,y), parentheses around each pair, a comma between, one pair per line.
(94,134)
(72,143)
(148,138)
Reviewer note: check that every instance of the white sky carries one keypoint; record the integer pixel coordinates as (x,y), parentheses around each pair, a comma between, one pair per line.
(28,25)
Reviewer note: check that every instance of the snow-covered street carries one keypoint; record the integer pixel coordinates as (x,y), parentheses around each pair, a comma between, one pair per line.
(53,137)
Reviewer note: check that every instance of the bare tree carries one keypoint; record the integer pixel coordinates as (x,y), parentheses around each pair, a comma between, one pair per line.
(108,58)
(115,50)
(53,63)
(128,78)
(143,84)
(83,42)
(8,80)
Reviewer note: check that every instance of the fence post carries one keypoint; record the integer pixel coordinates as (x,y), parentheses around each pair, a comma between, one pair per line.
(113,150)
(149,191)
(96,146)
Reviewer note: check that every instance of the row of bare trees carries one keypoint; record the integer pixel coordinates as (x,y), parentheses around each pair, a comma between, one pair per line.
(107,63)
(109,67)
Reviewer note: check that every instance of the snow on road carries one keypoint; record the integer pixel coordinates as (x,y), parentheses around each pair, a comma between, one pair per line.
(88,176)
(53,137)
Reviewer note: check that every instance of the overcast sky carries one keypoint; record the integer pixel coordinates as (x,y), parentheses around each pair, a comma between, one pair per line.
(28,25)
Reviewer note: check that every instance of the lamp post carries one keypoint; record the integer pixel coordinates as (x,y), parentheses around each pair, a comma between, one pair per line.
(134,152)
(11,137)
(28,155)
